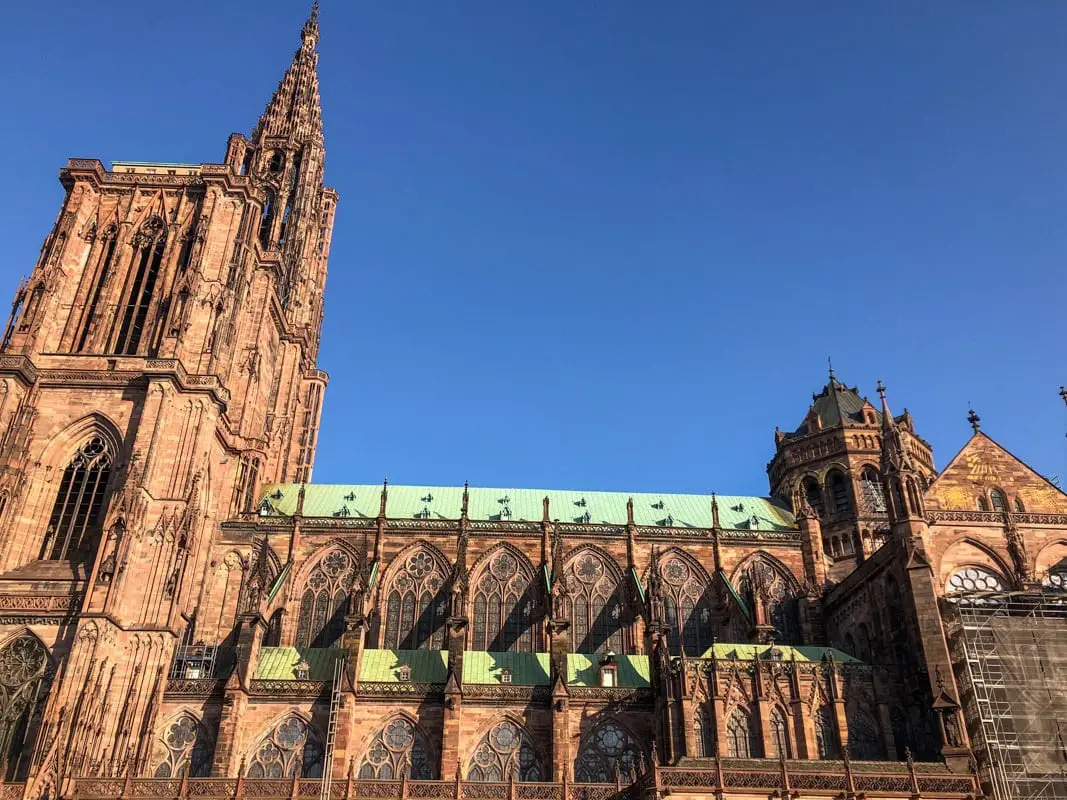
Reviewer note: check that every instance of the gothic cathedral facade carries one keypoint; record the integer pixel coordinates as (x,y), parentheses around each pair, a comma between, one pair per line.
(183,613)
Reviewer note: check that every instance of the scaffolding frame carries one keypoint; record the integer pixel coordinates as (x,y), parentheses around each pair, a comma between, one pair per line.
(1010,653)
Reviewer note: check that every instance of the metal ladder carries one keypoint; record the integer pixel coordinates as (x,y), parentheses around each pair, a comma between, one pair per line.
(331,728)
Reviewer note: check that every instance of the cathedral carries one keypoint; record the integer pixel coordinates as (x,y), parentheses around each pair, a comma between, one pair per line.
(183,613)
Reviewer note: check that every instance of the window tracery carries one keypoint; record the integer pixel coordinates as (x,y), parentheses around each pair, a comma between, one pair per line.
(974,579)
(780,735)
(24,679)
(184,748)
(605,751)
(504,605)
(764,579)
(742,738)
(704,732)
(418,604)
(397,746)
(872,490)
(76,522)
(325,601)
(289,747)
(598,610)
(864,743)
(825,733)
(687,607)
(1056,579)
(504,751)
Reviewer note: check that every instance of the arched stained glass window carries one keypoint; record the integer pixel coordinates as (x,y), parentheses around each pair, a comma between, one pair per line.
(598,608)
(78,512)
(687,605)
(742,738)
(1056,578)
(974,579)
(780,735)
(504,605)
(864,743)
(704,732)
(291,745)
(418,605)
(606,751)
(398,746)
(504,751)
(826,733)
(1019,507)
(325,601)
(763,577)
(25,676)
(184,748)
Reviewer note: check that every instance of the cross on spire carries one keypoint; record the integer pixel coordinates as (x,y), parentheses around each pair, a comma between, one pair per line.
(975,420)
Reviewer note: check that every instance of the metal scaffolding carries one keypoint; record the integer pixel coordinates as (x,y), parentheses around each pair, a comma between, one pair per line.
(1010,653)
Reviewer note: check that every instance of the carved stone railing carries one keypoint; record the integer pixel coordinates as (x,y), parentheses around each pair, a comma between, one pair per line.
(287,688)
(829,779)
(195,687)
(995,517)
(266,789)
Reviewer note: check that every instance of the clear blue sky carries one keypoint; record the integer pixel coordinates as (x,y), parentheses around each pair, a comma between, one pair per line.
(609,244)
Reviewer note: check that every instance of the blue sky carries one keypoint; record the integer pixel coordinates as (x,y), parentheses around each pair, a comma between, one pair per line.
(610,244)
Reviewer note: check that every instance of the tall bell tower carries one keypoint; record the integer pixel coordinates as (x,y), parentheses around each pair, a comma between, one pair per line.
(158,366)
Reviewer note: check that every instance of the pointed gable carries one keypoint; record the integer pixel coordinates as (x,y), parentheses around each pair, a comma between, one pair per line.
(982,465)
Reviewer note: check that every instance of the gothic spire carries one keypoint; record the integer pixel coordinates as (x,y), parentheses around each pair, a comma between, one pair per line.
(895,456)
(295,109)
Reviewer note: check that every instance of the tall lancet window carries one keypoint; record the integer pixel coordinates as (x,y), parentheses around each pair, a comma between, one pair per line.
(110,239)
(598,607)
(266,222)
(687,604)
(417,604)
(149,243)
(78,513)
(503,605)
(325,601)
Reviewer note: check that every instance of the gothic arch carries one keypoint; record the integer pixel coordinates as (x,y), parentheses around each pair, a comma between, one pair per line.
(969,551)
(606,750)
(184,747)
(503,600)
(742,733)
(599,613)
(505,748)
(414,595)
(291,741)
(1050,565)
(781,590)
(85,457)
(324,591)
(400,742)
(688,602)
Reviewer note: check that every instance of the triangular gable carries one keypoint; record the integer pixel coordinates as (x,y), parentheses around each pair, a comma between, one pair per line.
(983,464)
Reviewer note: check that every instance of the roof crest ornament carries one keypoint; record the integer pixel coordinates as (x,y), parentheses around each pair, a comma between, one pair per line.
(974,419)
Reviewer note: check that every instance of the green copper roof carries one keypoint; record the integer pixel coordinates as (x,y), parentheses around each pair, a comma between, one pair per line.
(527,669)
(444,502)
(584,670)
(383,666)
(279,663)
(748,652)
